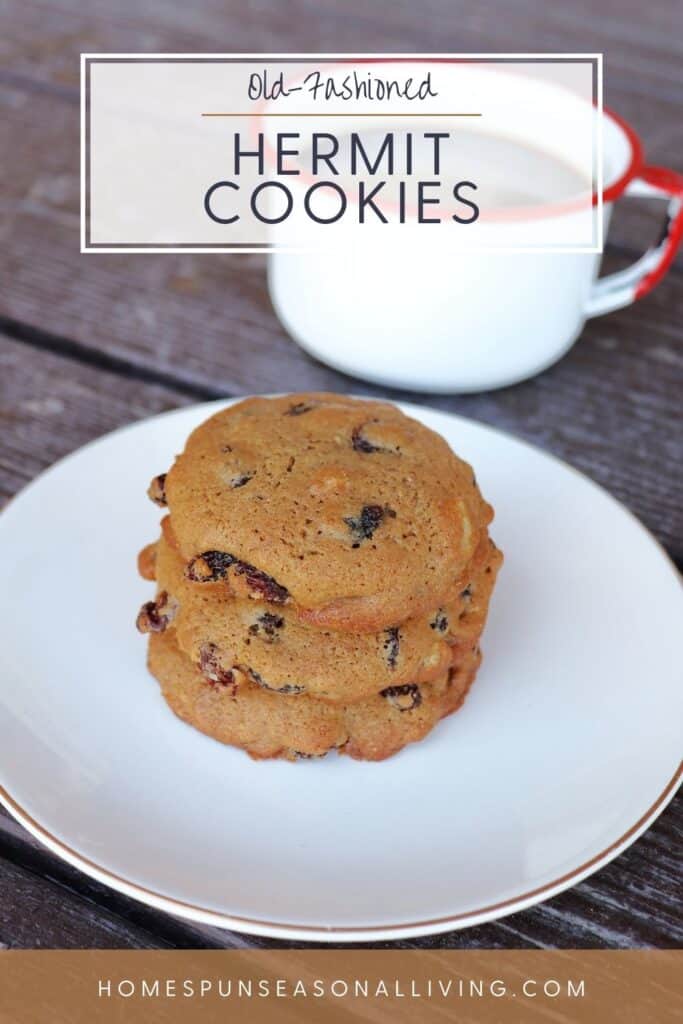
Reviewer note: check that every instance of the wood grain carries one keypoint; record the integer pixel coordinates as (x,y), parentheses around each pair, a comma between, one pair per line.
(639,44)
(95,342)
(51,405)
(37,913)
(204,324)
(610,407)
(633,902)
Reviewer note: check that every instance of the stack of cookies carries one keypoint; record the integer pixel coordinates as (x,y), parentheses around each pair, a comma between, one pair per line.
(323,577)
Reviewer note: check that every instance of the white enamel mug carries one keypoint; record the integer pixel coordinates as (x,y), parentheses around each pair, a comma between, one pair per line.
(470,321)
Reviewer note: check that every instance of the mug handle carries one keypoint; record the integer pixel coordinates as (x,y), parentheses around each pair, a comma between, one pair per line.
(622,288)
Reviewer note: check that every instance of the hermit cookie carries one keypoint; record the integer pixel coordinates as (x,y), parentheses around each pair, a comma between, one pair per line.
(236,711)
(350,512)
(323,578)
(285,655)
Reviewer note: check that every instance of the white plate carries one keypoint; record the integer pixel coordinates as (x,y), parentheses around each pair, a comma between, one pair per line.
(566,750)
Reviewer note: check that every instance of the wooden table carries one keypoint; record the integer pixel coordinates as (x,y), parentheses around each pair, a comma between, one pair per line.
(88,343)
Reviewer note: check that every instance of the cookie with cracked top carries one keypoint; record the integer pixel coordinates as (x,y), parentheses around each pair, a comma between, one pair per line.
(348,510)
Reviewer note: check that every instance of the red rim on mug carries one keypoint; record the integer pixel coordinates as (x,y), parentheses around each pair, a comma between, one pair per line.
(637,179)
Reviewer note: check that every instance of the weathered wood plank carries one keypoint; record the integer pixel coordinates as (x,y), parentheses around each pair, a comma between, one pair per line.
(41,43)
(610,407)
(35,912)
(51,142)
(27,907)
(51,405)
(633,902)
(640,46)
(204,324)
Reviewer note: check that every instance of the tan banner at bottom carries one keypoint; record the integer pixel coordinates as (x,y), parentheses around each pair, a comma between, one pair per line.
(341,986)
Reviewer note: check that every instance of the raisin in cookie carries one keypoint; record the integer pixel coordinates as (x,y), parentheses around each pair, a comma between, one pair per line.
(288,656)
(234,710)
(353,513)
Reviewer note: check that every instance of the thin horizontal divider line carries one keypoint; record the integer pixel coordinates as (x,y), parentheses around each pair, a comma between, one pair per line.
(336,114)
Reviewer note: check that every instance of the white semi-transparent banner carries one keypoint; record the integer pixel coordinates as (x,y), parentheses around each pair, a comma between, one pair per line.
(310,152)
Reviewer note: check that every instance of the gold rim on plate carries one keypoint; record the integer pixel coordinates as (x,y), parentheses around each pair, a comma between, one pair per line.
(262,927)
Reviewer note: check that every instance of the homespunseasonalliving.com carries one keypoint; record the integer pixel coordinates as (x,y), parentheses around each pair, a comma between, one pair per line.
(443,989)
